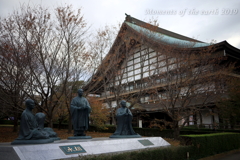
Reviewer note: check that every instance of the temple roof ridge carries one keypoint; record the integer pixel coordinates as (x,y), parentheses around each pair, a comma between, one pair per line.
(160,30)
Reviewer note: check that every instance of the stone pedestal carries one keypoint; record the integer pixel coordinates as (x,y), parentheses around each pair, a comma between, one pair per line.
(68,148)
(79,137)
(125,136)
(37,141)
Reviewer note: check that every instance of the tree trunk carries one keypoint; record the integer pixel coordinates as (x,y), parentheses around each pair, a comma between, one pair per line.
(113,118)
(60,120)
(15,122)
(50,124)
(200,117)
(176,131)
(69,124)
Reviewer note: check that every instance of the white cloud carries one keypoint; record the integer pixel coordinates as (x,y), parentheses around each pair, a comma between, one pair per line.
(234,40)
(203,27)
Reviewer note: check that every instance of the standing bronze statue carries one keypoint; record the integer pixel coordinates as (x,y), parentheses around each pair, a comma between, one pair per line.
(80,112)
(124,123)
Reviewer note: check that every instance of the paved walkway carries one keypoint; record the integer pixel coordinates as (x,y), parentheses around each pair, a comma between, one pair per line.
(231,155)
(234,156)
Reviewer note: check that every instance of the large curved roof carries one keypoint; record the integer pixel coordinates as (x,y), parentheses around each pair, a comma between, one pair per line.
(160,36)
(166,39)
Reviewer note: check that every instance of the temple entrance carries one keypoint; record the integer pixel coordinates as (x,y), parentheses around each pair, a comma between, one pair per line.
(150,119)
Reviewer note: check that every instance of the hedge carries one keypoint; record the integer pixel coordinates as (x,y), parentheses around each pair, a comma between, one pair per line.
(210,144)
(163,153)
(150,132)
(198,146)
(10,122)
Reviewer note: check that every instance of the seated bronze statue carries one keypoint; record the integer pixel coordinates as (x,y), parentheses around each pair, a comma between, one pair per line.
(124,123)
(40,117)
(30,132)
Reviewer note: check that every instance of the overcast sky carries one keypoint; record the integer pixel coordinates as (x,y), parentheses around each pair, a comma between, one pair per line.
(212,20)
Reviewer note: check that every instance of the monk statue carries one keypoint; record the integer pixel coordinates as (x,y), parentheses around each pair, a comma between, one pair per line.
(40,117)
(124,123)
(80,111)
(30,132)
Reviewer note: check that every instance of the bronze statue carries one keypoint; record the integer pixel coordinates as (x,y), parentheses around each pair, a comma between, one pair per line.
(40,117)
(30,132)
(124,123)
(80,110)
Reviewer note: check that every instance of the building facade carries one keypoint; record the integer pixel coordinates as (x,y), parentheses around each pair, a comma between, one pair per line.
(165,77)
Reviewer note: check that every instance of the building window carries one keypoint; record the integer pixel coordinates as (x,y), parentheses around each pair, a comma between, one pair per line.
(146,74)
(171,60)
(124,81)
(146,68)
(114,104)
(130,79)
(137,71)
(131,87)
(162,63)
(173,66)
(130,63)
(130,68)
(153,54)
(153,60)
(162,70)
(153,72)
(137,77)
(137,65)
(158,80)
(130,73)
(146,62)
(137,55)
(161,57)
(144,53)
(137,60)
(147,98)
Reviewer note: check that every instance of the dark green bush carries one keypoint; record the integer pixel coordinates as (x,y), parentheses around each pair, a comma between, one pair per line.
(6,122)
(210,144)
(198,146)
(153,132)
(168,153)
(150,132)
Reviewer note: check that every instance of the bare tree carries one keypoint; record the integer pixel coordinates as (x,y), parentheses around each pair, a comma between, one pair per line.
(229,105)
(187,83)
(54,51)
(13,74)
(99,47)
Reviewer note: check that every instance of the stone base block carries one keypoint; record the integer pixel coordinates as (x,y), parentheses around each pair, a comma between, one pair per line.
(55,138)
(68,149)
(37,141)
(125,136)
(79,137)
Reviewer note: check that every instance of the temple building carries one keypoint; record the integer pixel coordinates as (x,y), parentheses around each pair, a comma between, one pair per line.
(165,77)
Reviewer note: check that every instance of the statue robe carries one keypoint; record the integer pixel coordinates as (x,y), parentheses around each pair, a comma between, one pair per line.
(40,118)
(29,127)
(80,110)
(124,122)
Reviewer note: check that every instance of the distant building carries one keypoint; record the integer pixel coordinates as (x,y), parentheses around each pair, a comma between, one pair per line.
(161,73)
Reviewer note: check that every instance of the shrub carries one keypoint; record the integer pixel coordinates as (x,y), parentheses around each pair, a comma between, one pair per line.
(163,153)
(210,144)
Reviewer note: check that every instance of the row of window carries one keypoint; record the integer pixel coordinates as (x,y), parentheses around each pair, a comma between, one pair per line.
(183,92)
(144,63)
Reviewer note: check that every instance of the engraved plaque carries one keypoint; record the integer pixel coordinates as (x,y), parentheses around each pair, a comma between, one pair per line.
(72,149)
(146,142)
